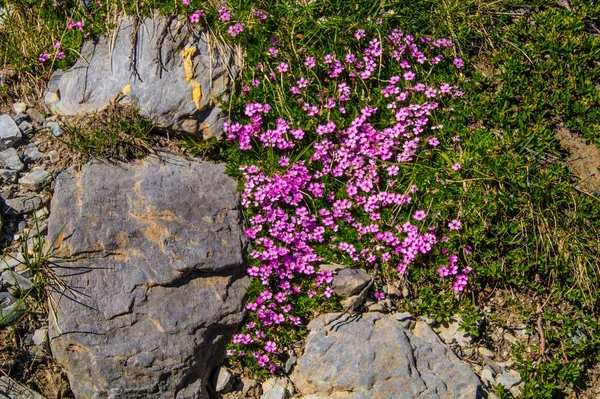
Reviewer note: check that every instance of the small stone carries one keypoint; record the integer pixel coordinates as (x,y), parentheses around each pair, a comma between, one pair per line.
(274,388)
(35,180)
(348,282)
(347,302)
(11,261)
(450,333)
(55,129)
(406,319)
(19,108)
(19,118)
(10,388)
(21,226)
(16,280)
(289,364)
(26,128)
(331,267)
(511,339)
(10,160)
(248,385)
(9,132)
(31,154)
(223,380)
(486,352)
(508,379)
(376,307)
(16,206)
(40,337)
(10,308)
(54,156)
(487,376)
(36,116)
(42,214)
(517,390)
(8,175)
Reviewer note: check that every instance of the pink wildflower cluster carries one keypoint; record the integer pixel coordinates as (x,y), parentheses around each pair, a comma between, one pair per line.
(58,54)
(72,24)
(346,183)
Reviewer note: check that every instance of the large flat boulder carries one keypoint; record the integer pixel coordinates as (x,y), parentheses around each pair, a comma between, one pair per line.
(150,255)
(377,356)
(172,71)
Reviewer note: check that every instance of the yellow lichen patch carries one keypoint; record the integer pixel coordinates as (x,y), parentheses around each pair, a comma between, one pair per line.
(188,68)
(126,90)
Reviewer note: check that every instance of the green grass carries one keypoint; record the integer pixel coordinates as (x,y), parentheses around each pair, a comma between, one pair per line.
(530,65)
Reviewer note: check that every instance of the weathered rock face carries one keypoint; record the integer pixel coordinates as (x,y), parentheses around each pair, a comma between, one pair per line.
(152,256)
(376,356)
(173,75)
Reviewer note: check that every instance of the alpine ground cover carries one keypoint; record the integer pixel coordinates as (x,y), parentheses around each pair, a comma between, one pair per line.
(528,66)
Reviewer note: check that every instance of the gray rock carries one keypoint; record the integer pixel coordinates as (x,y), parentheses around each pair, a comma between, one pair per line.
(35,180)
(508,379)
(348,282)
(373,356)
(11,261)
(8,175)
(26,128)
(40,337)
(275,388)
(10,160)
(16,206)
(19,107)
(451,333)
(20,118)
(155,252)
(174,76)
(224,380)
(9,132)
(55,129)
(31,153)
(10,389)
(16,280)
(290,363)
(487,375)
(54,156)
(10,309)
(36,116)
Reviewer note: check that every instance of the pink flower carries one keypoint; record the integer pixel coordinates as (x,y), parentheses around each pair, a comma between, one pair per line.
(60,55)
(195,17)
(273,51)
(454,224)
(282,67)
(433,141)
(56,45)
(235,29)
(457,166)
(310,62)
(270,347)
(185,2)
(359,34)
(44,57)
(419,215)
(458,62)
(224,14)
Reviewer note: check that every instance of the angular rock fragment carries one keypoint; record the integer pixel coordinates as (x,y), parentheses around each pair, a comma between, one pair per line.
(152,253)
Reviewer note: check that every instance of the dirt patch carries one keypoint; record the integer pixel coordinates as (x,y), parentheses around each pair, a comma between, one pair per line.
(583,158)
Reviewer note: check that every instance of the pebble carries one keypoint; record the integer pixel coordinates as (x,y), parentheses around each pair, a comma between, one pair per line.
(511,339)
(11,261)
(19,108)
(8,175)
(289,364)
(54,156)
(9,132)
(450,333)
(487,376)
(19,118)
(16,206)
(35,180)
(31,154)
(35,115)
(224,378)
(10,160)
(348,282)
(10,308)
(42,213)
(16,280)
(486,352)
(508,379)
(55,129)
(275,388)
(26,128)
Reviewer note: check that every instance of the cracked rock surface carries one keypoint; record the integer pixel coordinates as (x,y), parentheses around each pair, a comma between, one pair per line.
(377,356)
(151,255)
